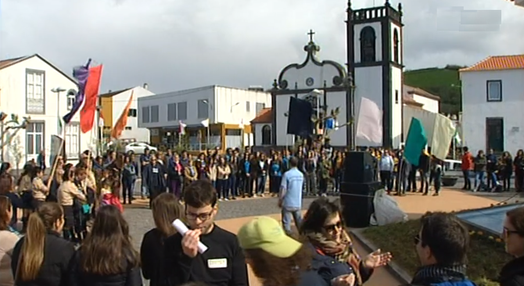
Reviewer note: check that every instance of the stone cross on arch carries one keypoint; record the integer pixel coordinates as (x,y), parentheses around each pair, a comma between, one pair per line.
(310,34)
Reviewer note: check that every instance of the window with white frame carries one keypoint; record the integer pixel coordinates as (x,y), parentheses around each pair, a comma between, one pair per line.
(494,90)
(248,106)
(34,138)
(145,114)
(70,99)
(72,140)
(35,91)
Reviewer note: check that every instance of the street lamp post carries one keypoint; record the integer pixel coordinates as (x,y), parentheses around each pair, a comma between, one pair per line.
(58,90)
(350,85)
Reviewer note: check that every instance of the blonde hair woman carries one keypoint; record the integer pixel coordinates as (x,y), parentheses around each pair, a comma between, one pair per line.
(42,257)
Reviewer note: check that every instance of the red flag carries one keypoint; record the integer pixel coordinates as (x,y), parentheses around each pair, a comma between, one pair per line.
(87,114)
(122,120)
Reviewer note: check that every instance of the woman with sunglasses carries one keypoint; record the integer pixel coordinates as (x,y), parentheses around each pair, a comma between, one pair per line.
(512,274)
(8,240)
(334,256)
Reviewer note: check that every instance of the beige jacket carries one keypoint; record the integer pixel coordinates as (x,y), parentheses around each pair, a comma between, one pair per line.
(223,172)
(67,192)
(8,241)
(40,190)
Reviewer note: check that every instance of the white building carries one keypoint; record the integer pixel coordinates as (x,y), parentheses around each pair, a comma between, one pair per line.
(492,104)
(417,97)
(114,102)
(229,111)
(374,52)
(25,90)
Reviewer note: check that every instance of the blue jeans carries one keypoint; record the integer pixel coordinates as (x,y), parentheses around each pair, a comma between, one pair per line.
(479,178)
(261,184)
(232,185)
(287,214)
(223,189)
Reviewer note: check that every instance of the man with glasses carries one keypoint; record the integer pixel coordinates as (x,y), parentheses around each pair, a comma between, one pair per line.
(441,246)
(223,263)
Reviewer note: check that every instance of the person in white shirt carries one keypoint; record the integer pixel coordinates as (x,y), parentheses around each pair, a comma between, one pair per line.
(386,166)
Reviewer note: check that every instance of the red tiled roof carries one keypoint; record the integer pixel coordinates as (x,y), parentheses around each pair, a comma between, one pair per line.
(497,63)
(264,116)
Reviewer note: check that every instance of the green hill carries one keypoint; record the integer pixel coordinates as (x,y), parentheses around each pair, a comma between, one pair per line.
(443,82)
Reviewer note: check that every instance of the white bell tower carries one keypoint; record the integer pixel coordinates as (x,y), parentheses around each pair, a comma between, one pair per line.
(375,59)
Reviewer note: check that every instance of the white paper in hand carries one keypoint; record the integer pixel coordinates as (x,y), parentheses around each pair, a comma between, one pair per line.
(182,229)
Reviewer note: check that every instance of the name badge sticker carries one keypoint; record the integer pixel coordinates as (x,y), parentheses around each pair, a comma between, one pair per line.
(217,263)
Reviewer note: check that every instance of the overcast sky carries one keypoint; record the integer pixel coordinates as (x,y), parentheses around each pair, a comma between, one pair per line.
(179,44)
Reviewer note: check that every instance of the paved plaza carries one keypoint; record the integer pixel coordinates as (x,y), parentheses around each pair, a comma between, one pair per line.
(232,214)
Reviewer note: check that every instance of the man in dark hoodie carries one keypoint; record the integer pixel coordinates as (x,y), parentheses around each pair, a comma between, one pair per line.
(441,246)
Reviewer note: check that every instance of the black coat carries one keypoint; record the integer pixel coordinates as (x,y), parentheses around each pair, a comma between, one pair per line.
(152,257)
(58,254)
(512,274)
(77,277)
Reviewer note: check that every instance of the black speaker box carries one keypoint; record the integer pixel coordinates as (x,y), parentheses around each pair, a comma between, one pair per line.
(357,202)
(359,167)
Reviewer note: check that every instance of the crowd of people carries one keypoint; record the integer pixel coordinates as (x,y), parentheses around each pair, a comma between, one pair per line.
(74,233)
(492,172)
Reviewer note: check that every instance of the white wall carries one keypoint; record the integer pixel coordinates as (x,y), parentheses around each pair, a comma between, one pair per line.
(378,41)
(13,100)
(257,132)
(282,107)
(369,85)
(231,104)
(430,104)
(119,104)
(476,108)
(396,106)
(319,74)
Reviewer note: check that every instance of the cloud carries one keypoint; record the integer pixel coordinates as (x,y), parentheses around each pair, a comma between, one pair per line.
(183,44)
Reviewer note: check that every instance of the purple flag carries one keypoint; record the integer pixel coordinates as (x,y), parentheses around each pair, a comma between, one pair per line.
(81,74)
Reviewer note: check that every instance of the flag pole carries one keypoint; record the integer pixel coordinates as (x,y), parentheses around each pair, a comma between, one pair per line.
(55,163)
(208,125)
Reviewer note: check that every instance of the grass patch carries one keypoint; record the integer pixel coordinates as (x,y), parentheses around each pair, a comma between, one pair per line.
(486,255)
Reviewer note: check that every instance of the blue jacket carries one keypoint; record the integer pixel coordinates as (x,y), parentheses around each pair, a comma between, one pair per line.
(329,268)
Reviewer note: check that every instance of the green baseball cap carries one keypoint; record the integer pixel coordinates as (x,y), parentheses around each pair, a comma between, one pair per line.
(266,233)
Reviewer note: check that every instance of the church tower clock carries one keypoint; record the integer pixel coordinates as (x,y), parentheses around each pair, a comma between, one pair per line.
(375,59)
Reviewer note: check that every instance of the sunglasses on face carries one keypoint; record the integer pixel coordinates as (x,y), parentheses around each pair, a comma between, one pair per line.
(333,227)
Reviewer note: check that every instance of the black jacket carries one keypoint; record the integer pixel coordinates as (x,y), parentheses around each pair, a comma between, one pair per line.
(55,269)
(77,277)
(152,258)
(512,274)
